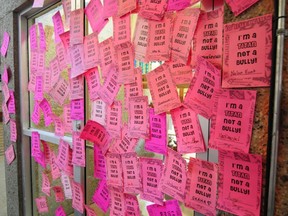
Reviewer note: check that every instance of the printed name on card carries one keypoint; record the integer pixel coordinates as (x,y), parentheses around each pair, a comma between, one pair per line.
(237,7)
(176,5)
(38,93)
(114,170)
(132,205)
(101,196)
(153,10)
(126,6)
(121,29)
(99,163)
(114,119)
(94,12)
(63,155)
(54,70)
(91,51)
(58,26)
(170,207)
(78,197)
(41,203)
(93,82)
(117,202)
(76,27)
(78,156)
(5,44)
(67,121)
(181,73)
(98,111)
(47,152)
(107,55)
(10,154)
(141,39)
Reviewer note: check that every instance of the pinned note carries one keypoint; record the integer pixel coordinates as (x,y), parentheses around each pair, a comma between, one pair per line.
(58,192)
(5,44)
(237,7)
(126,6)
(181,73)
(46,186)
(47,80)
(101,196)
(65,39)
(77,88)
(153,10)
(76,27)
(114,170)
(78,156)
(107,55)
(121,29)
(117,202)
(170,207)
(93,82)
(99,163)
(91,51)
(132,205)
(60,211)
(114,119)
(13,131)
(58,26)
(10,154)
(98,111)
(94,13)
(66,185)
(78,197)
(41,204)
(60,91)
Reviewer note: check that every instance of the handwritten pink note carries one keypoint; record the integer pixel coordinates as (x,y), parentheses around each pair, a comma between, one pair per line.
(77,60)
(6,117)
(94,12)
(101,196)
(41,203)
(55,171)
(10,154)
(117,202)
(107,56)
(90,211)
(76,27)
(78,197)
(163,89)
(98,111)
(121,29)
(46,186)
(114,170)
(184,27)
(58,26)
(153,10)
(240,183)
(170,207)
(93,82)
(5,44)
(78,156)
(157,141)
(247,53)
(77,109)
(13,131)
(181,73)
(99,163)
(66,4)
(141,39)
(58,192)
(91,51)
(11,103)
(77,88)
(67,187)
(126,6)
(110,8)
(132,205)
(60,211)
(60,91)
(114,119)
(237,7)
(201,93)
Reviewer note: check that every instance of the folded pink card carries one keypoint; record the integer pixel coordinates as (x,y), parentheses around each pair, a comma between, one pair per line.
(47,152)
(67,121)
(47,111)
(77,88)
(42,38)
(66,4)
(77,109)
(38,93)
(60,211)
(170,207)
(237,7)
(176,5)
(33,38)
(62,56)
(54,70)
(94,12)
(11,103)
(141,39)
(110,8)
(77,60)
(101,196)
(67,187)
(63,155)
(55,171)
(60,91)
(58,192)
(13,131)
(5,75)
(46,186)
(107,56)
(58,26)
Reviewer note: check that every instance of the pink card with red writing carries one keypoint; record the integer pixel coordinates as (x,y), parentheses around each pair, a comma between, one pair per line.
(200,96)
(93,82)
(107,55)
(11,103)
(240,183)
(99,163)
(117,202)
(78,197)
(38,93)
(60,91)
(163,89)
(78,155)
(47,110)
(5,76)
(121,29)
(237,7)
(232,121)
(247,53)
(77,109)
(91,51)
(138,123)
(125,6)
(77,60)
(181,73)
(173,180)
(151,172)
(157,141)
(159,40)
(46,186)
(114,119)
(42,38)
(114,170)
(184,27)
(66,4)
(10,154)
(153,10)
(5,111)
(77,88)
(207,40)
(38,3)
(202,192)
(41,203)
(61,56)
(58,26)
(58,192)
(170,207)
(60,211)
(13,131)
(188,131)
(98,111)
(176,5)
(55,171)
(90,211)
(5,44)
(141,39)
(67,187)
(101,196)
(76,27)
(132,205)
(47,152)
(110,8)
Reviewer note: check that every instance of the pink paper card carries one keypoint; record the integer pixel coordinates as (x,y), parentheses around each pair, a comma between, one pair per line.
(58,26)
(131,172)
(60,91)
(10,154)
(59,127)
(13,131)
(76,27)
(181,73)
(65,39)
(151,172)
(201,93)
(157,141)
(67,10)
(60,211)
(91,51)
(173,180)
(207,40)
(240,183)
(141,39)
(126,6)
(114,119)
(114,170)
(96,133)
(11,103)
(107,55)
(41,60)
(5,76)
(132,205)
(93,82)
(201,195)
(77,88)
(237,7)
(66,185)
(101,196)
(5,44)
(58,192)
(61,56)
(78,156)
(98,111)
(110,87)
(125,56)
(35,141)
(176,5)
(99,163)
(47,152)
(6,92)
(47,110)
(38,4)
(77,109)
(6,117)
(117,202)
(121,29)
(110,8)
(77,60)
(41,203)
(188,131)
(33,38)
(90,211)
(55,171)
(42,38)
(153,10)
(135,88)
(63,154)
(159,40)
(247,53)
(138,123)
(78,197)
(46,80)
(232,121)
(94,13)
(38,94)
(54,70)
(45,184)
(69,167)
(163,89)
(67,118)
(184,27)
(170,207)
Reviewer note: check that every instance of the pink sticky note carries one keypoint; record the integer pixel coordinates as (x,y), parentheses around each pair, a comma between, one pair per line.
(78,156)
(110,87)
(60,211)
(121,29)
(13,131)
(181,73)
(59,126)
(138,125)
(98,111)
(42,37)
(94,13)
(67,10)
(36,113)
(58,26)
(10,154)
(61,56)
(46,186)
(11,103)
(107,56)
(38,4)
(114,170)
(67,118)
(63,154)
(55,171)
(6,92)
(117,202)
(47,152)
(101,196)
(240,183)
(184,27)
(247,60)
(151,171)
(91,51)
(153,10)
(5,76)
(77,109)
(5,111)
(76,27)
(99,163)
(201,93)
(201,195)
(77,60)
(41,203)
(173,180)
(170,207)
(93,82)
(188,131)
(78,197)
(157,141)
(176,5)
(58,192)
(110,8)
(141,39)
(38,94)
(60,91)
(114,119)
(90,211)
(163,89)
(132,205)
(207,40)
(232,122)
(126,6)
(77,88)
(237,7)
(5,44)
(66,185)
